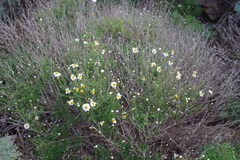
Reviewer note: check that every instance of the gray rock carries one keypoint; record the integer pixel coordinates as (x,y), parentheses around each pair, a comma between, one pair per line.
(215,9)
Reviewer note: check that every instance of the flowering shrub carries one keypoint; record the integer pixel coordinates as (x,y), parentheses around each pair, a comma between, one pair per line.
(107,84)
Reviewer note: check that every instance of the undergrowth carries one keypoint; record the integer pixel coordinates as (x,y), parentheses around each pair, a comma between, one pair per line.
(89,80)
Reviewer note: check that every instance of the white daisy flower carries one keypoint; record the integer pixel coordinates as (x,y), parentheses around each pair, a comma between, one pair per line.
(135,50)
(57,74)
(178,75)
(165,54)
(86,107)
(93,104)
(74,65)
(67,91)
(201,93)
(154,51)
(102,123)
(26,126)
(119,96)
(210,91)
(114,120)
(103,51)
(80,76)
(194,74)
(73,77)
(114,84)
(153,64)
(71,102)
(159,69)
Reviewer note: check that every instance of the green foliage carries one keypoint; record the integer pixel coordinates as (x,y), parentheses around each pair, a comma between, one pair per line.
(55,145)
(187,8)
(8,151)
(186,12)
(191,22)
(116,27)
(219,151)
(232,112)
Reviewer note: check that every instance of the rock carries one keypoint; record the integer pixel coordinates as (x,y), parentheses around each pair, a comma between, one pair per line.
(213,10)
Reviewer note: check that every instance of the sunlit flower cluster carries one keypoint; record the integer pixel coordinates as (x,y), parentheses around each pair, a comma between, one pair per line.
(117,91)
